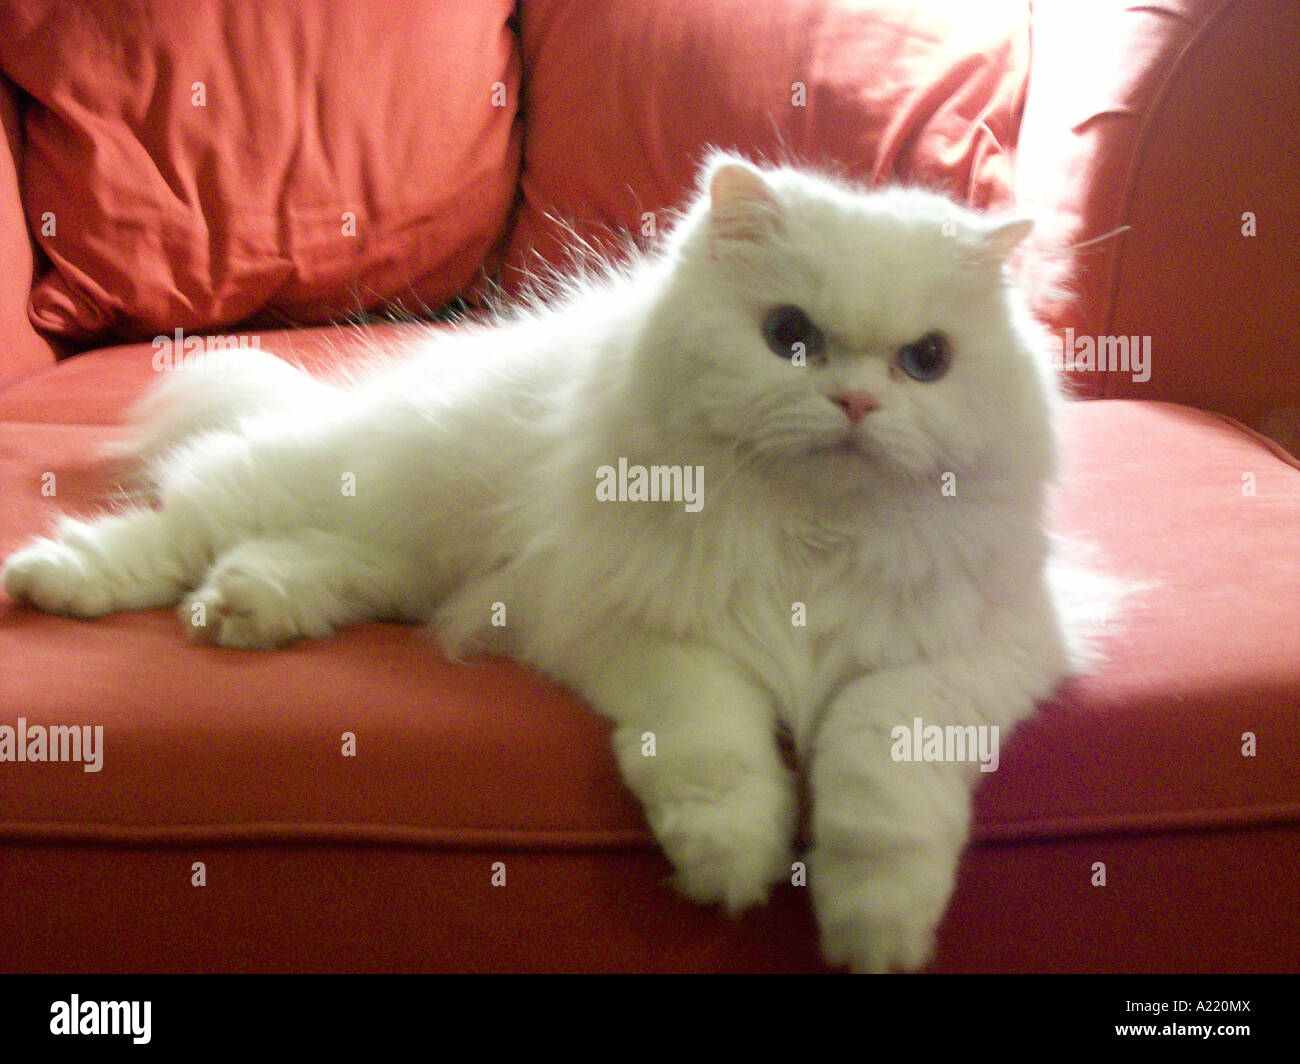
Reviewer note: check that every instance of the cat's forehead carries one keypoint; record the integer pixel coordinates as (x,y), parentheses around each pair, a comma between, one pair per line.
(875,264)
(897,224)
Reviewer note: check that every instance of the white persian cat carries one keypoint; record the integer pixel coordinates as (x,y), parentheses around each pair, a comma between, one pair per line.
(837,400)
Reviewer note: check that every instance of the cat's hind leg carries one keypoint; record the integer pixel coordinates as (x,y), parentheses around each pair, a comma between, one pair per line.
(133,560)
(303,584)
(215,493)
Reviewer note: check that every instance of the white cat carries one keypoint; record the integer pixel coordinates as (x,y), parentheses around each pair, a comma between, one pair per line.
(849,384)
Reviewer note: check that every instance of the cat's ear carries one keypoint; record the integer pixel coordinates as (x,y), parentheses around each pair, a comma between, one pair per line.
(742,207)
(995,245)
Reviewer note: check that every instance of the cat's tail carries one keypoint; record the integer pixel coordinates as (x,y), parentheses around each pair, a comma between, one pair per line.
(215,395)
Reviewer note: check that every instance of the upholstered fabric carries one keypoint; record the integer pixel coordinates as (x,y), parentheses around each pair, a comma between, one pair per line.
(361,803)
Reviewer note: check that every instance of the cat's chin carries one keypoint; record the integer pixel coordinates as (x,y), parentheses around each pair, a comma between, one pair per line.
(839,470)
(848,453)
(850,468)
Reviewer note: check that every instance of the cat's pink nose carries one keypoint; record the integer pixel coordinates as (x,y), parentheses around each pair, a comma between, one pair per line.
(856,405)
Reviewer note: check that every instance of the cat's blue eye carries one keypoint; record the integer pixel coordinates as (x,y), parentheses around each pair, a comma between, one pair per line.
(790,333)
(926,359)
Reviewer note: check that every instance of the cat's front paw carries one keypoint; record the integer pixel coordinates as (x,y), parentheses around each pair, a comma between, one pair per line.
(872,918)
(728,848)
(58,578)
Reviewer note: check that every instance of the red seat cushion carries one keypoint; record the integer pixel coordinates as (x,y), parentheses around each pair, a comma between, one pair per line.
(461,766)
(189,165)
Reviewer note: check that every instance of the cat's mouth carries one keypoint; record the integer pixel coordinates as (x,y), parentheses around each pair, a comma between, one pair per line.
(848,446)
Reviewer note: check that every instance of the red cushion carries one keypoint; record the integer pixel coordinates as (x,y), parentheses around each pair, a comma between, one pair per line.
(188,165)
(235,759)
(623,98)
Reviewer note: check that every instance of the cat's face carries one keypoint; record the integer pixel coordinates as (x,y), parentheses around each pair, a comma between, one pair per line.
(834,337)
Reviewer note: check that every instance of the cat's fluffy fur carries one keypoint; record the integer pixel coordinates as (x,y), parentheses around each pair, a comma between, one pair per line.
(473,462)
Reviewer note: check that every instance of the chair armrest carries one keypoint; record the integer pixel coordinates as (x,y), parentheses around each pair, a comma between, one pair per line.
(1176,119)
